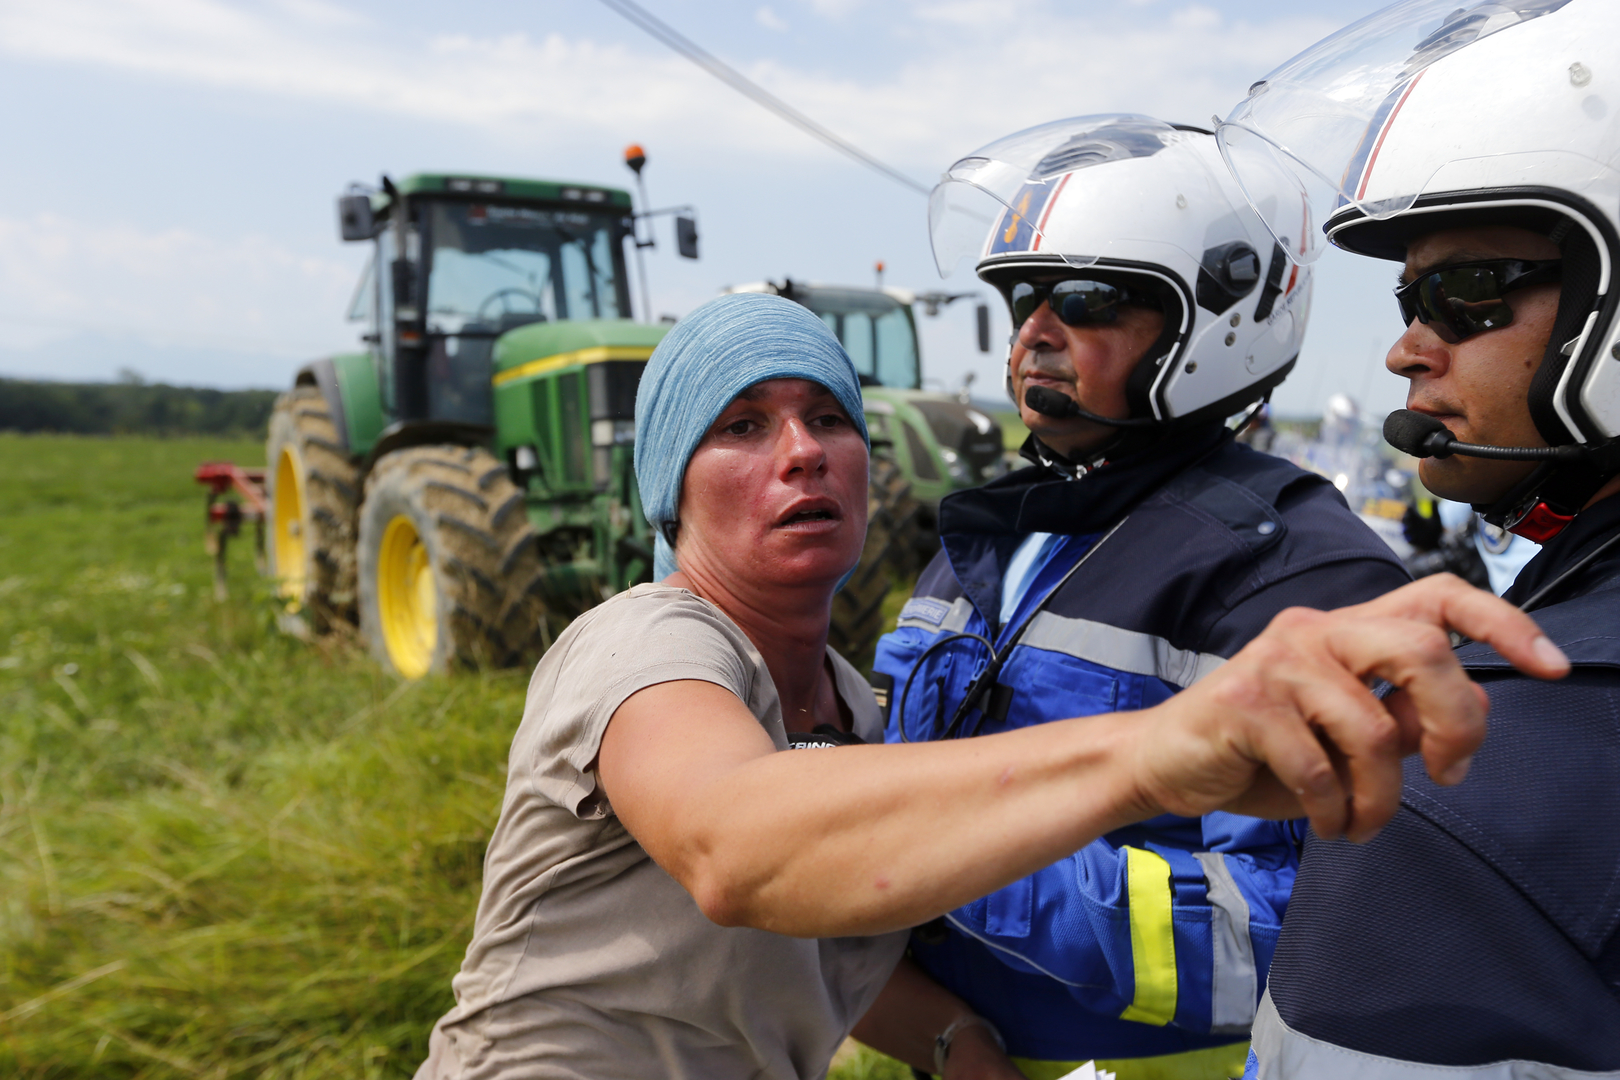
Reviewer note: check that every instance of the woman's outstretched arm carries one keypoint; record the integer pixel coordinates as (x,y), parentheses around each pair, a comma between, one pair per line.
(864,839)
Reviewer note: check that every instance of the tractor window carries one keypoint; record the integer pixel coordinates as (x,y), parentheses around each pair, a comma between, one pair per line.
(859,342)
(876,330)
(497,267)
(588,286)
(896,343)
(387,252)
(363,307)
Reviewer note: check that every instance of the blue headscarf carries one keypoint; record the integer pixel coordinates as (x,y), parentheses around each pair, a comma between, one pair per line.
(711,356)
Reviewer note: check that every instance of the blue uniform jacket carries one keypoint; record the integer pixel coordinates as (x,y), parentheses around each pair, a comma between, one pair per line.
(1480,931)
(1153,940)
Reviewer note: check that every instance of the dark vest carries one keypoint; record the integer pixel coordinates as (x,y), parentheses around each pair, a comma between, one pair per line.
(1480,925)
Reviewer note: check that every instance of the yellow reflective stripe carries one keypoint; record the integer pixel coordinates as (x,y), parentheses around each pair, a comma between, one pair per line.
(1153,939)
(594,355)
(1212,1063)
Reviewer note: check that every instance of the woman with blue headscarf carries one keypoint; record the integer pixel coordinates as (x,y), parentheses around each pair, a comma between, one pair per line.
(596,956)
(668,892)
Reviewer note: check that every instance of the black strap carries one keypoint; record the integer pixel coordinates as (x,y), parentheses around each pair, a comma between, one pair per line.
(998,699)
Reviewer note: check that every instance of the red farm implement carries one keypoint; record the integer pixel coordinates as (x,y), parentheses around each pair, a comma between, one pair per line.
(235,495)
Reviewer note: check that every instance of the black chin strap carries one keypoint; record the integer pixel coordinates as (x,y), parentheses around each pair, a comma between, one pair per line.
(1036,452)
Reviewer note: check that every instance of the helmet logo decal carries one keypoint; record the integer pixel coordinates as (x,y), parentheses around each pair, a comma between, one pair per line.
(1019,230)
(1012,226)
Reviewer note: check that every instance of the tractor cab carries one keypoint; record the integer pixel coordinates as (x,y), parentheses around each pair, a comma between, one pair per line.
(876,327)
(465,485)
(460,261)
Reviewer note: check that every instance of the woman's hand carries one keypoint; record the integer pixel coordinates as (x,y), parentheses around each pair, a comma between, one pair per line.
(1289,726)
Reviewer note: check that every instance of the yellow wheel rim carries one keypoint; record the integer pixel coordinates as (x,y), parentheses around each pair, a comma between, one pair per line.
(407,599)
(292,562)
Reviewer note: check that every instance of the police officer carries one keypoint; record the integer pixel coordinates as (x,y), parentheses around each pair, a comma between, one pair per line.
(1478,933)
(1140,549)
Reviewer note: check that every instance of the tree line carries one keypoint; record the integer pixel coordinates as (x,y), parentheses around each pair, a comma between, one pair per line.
(131,407)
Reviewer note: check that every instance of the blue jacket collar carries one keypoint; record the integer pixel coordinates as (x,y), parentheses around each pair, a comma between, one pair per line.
(1045,499)
(980,528)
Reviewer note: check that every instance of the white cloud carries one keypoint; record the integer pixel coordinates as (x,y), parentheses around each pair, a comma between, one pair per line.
(834,9)
(968,70)
(925,81)
(320,13)
(1196,17)
(770,20)
(173,286)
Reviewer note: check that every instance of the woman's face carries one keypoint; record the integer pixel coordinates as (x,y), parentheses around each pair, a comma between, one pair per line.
(776,491)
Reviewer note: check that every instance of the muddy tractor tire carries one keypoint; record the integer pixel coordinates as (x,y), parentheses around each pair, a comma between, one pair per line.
(889,554)
(314,491)
(449,568)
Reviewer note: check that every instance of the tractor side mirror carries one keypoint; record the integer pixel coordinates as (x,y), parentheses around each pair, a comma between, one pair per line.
(354,217)
(983,318)
(686,238)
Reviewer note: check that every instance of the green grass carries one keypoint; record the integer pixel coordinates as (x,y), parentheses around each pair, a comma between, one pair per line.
(223,853)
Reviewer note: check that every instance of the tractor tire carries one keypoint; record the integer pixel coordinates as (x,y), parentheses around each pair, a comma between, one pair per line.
(449,566)
(314,491)
(857,608)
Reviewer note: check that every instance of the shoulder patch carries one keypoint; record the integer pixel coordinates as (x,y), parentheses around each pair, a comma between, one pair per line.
(925,609)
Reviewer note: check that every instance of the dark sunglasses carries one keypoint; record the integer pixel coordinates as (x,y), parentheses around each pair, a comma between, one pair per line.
(1075,301)
(1461,301)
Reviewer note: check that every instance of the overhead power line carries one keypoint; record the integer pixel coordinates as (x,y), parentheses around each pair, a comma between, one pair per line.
(741,83)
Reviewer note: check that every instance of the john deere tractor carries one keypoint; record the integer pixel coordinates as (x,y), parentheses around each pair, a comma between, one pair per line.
(463,486)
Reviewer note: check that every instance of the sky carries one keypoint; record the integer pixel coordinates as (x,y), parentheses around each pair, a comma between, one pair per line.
(167,193)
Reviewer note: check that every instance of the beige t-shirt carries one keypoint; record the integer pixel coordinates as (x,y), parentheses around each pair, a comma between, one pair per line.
(588,961)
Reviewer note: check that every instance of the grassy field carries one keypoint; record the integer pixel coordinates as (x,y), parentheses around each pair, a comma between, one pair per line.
(223,853)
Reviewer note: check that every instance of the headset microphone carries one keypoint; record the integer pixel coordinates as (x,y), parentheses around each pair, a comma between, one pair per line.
(1423,436)
(1058,406)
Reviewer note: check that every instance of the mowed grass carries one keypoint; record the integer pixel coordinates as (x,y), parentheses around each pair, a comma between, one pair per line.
(223,852)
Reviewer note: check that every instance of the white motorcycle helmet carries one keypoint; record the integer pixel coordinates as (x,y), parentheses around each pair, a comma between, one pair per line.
(1435,114)
(1149,207)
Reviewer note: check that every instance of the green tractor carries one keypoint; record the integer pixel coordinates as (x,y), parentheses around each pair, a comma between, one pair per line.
(464,486)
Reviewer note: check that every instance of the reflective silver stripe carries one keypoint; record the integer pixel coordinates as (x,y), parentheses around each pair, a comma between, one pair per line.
(1284,1054)
(1122,650)
(955,620)
(1233,982)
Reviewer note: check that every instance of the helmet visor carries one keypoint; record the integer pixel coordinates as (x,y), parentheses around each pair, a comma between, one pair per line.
(994,201)
(1303,140)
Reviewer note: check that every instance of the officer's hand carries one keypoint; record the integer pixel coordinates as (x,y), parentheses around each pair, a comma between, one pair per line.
(1288,726)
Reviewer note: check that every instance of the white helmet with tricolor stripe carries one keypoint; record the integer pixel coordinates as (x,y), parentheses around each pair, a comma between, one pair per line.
(1138,202)
(1435,114)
